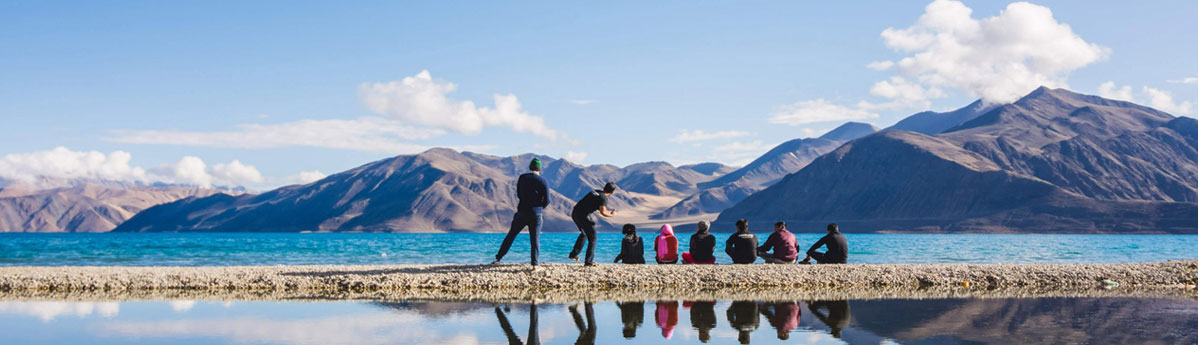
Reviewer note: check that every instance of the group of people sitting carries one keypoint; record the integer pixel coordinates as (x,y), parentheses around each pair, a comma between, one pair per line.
(780,248)
(742,247)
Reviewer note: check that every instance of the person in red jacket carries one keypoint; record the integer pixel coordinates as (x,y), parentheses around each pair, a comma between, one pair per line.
(785,247)
(666,246)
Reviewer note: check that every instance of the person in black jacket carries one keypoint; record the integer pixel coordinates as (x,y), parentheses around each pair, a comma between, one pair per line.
(533,193)
(596,200)
(742,245)
(838,248)
(702,246)
(632,248)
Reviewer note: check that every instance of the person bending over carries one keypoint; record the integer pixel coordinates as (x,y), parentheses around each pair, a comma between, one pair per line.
(596,200)
(742,245)
(784,245)
(701,246)
(838,248)
(632,248)
(666,246)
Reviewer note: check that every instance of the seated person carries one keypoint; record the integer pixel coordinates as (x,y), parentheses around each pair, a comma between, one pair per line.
(742,245)
(784,245)
(632,248)
(838,248)
(666,246)
(702,245)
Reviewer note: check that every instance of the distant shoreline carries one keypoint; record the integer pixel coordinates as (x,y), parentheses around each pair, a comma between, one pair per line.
(564,282)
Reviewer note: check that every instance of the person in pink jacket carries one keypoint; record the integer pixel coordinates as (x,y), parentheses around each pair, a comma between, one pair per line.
(666,246)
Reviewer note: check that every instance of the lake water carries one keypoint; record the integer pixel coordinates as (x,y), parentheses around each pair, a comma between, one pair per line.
(206,249)
(944,321)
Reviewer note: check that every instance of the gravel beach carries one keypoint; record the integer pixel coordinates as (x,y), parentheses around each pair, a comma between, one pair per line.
(562,282)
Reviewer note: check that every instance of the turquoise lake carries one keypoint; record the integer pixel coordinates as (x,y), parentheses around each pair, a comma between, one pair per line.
(215,249)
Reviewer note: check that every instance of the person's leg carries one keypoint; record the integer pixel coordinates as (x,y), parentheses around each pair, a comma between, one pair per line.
(533,337)
(518,224)
(590,236)
(712,262)
(534,236)
(686,258)
(820,257)
(765,256)
(581,237)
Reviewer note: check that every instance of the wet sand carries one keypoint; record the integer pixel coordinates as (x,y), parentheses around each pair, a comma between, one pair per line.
(562,282)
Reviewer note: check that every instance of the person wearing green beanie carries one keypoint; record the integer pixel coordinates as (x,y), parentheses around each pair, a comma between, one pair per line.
(533,192)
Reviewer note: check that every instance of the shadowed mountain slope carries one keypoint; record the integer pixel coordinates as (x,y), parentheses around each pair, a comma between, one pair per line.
(85,207)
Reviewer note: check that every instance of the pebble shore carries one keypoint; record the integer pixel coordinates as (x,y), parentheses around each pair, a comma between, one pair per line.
(564,282)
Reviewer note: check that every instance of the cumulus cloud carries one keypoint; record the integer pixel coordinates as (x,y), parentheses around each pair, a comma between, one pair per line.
(420,99)
(59,166)
(48,311)
(906,93)
(817,111)
(687,136)
(370,134)
(739,153)
(181,306)
(575,157)
(1188,80)
(1156,98)
(999,58)
(306,177)
(880,65)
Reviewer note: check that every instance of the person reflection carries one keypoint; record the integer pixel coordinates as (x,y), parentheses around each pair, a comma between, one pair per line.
(632,314)
(667,317)
(742,315)
(784,316)
(586,333)
(702,317)
(512,338)
(837,317)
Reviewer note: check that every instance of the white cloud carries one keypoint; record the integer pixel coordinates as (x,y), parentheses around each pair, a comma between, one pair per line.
(370,134)
(1156,98)
(880,65)
(813,132)
(1187,80)
(1109,90)
(181,306)
(906,93)
(420,99)
(306,177)
(59,166)
(686,136)
(1163,101)
(48,311)
(575,157)
(739,153)
(999,58)
(582,101)
(817,111)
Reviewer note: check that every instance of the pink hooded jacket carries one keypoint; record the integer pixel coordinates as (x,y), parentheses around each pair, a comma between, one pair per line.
(666,244)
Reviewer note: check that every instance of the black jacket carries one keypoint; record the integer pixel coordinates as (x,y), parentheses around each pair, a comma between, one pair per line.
(632,250)
(742,247)
(533,193)
(702,247)
(838,248)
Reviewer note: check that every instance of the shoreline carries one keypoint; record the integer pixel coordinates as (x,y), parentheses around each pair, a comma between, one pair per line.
(573,282)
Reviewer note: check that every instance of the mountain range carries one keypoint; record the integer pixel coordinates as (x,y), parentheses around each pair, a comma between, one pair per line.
(82,206)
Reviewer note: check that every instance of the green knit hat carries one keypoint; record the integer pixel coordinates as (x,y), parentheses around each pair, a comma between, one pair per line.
(535,165)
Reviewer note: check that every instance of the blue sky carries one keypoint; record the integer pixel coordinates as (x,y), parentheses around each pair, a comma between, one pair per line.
(611,82)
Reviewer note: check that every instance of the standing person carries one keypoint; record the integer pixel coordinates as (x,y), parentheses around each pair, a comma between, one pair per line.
(587,332)
(742,245)
(596,200)
(533,193)
(786,248)
(632,248)
(702,246)
(838,248)
(666,246)
(512,338)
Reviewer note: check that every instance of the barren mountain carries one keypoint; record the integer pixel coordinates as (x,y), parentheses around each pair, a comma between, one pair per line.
(1054,161)
(85,207)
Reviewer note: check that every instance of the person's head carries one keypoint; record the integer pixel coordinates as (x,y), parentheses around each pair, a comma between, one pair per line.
(609,188)
(535,165)
(629,229)
(783,335)
(833,228)
(742,225)
(704,335)
(703,226)
(743,337)
(667,229)
(779,226)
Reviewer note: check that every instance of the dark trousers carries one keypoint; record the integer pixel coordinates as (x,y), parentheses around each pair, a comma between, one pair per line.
(770,259)
(533,221)
(823,258)
(587,227)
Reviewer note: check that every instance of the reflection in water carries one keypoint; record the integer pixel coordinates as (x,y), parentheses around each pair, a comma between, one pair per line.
(586,333)
(836,317)
(632,314)
(667,317)
(702,317)
(784,316)
(512,338)
(930,321)
(742,315)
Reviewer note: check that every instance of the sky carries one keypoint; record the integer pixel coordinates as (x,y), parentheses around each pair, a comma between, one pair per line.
(263,94)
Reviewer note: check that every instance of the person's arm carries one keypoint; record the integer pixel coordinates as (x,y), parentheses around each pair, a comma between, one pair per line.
(822,241)
(604,212)
(544,190)
(728,245)
(769,243)
(618,257)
